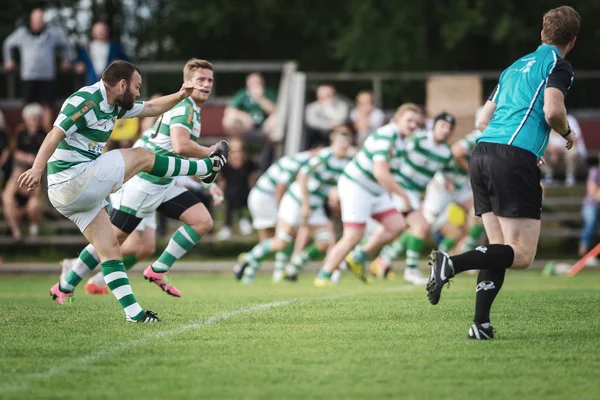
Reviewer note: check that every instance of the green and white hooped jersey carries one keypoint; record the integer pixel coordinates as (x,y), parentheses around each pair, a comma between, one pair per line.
(283,171)
(186,114)
(323,171)
(385,144)
(459,176)
(423,158)
(87,121)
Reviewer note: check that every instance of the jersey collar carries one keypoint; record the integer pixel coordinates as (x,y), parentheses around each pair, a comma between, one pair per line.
(550,46)
(193,103)
(104,106)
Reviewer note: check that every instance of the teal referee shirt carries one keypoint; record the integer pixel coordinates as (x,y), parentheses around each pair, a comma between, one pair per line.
(519,117)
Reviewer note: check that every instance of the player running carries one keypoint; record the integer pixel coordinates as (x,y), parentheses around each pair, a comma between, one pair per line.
(303,204)
(264,199)
(365,190)
(425,155)
(516,121)
(80,177)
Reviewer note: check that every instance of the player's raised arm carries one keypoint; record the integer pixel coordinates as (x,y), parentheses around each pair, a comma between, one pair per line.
(158,106)
(32,177)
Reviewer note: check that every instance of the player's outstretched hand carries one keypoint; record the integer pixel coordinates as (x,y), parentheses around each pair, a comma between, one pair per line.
(570,138)
(187,88)
(30,179)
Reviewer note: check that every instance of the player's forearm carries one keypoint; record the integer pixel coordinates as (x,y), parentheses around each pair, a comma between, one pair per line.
(303,182)
(156,107)
(387,181)
(47,149)
(555,111)
(556,117)
(279,192)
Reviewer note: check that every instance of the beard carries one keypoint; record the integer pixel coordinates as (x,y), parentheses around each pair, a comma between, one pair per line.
(126,100)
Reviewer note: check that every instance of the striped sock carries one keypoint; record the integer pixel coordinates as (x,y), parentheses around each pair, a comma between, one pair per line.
(312,252)
(414,246)
(256,256)
(86,262)
(129,261)
(394,250)
(117,281)
(165,166)
(473,237)
(282,257)
(180,243)
(447,244)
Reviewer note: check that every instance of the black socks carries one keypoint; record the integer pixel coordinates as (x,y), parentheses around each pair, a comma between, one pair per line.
(491,257)
(489,283)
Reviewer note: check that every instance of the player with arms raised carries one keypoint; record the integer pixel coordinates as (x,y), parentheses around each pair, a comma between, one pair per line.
(516,121)
(80,176)
(176,134)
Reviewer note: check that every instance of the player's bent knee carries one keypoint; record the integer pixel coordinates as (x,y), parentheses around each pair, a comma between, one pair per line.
(352,236)
(279,244)
(203,226)
(523,258)
(146,251)
(397,228)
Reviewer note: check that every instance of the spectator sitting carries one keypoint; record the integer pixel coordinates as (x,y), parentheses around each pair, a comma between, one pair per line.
(556,149)
(365,116)
(5,150)
(18,201)
(324,114)
(236,179)
(252,109)
(101,51)
(590,211)
(37,45)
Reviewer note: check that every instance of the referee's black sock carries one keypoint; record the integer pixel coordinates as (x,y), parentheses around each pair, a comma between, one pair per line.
(489,283)
(492,257)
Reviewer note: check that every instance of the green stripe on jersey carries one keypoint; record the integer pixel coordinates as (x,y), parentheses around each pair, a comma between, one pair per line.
(55,167)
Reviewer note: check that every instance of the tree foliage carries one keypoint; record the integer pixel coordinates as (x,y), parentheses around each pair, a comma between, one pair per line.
(355,35)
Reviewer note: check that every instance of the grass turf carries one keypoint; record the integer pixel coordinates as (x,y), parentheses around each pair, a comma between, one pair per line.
(226,340)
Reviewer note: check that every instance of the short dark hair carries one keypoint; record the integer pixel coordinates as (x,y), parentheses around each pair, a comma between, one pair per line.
(118,70)
(561,25)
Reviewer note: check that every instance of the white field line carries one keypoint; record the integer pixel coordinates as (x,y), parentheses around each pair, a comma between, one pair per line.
(26,381)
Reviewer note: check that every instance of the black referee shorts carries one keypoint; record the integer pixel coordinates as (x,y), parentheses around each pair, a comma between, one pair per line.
(505,181)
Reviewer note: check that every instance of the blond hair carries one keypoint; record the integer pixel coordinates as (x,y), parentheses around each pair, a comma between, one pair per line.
(561,25)
(341,130)
(408,107)
(193,65)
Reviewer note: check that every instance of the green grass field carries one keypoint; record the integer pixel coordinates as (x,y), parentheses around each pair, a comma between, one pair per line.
(226,340)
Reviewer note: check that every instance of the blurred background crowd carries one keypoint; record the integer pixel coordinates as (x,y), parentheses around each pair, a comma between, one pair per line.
(46,56)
